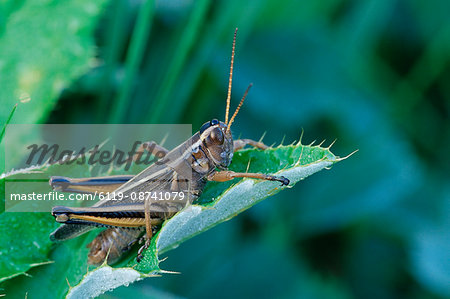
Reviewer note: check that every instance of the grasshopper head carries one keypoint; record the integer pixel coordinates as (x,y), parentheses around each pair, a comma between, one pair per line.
(215,135)
(217,142)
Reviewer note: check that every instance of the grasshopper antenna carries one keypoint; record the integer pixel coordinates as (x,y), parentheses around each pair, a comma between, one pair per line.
(230,80)
(239,107)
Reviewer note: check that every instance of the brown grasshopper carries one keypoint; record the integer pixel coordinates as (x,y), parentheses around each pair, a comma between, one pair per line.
(186,170)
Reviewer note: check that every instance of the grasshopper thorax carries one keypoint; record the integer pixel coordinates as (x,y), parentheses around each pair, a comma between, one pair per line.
(217,143)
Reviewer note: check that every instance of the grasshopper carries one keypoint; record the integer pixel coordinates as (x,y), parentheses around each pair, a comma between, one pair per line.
(203,157)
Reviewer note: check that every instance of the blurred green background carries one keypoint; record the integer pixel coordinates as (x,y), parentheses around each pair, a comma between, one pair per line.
(374,74)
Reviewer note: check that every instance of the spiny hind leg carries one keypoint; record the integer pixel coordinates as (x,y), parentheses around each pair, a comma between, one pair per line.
(241,143)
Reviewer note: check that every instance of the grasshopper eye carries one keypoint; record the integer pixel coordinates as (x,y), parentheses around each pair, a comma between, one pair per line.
(208,124)
(205,126)
(216,136)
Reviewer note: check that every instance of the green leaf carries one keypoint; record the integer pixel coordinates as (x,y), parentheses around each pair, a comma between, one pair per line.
(25,242)
(25,239)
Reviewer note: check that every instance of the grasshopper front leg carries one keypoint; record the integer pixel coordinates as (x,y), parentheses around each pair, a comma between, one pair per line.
(228,175)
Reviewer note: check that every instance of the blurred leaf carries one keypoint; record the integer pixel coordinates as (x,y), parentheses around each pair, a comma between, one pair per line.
(134,59)
(46,44)
(429,254)
(162,101)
